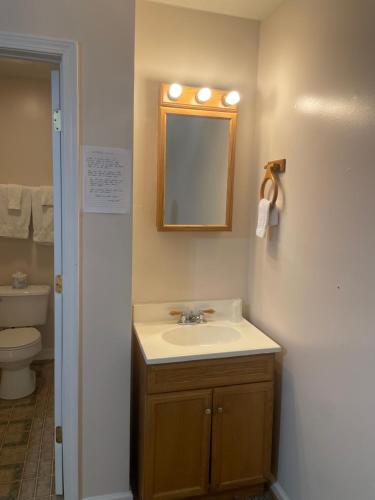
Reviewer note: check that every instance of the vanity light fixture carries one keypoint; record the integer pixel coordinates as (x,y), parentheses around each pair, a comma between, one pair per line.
(203,95)
(174,91)
(232,98)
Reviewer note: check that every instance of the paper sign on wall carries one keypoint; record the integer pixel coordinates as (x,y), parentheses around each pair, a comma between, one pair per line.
(106,180)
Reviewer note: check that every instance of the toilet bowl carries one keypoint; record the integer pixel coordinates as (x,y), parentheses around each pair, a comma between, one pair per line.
(18,347)
(20,342)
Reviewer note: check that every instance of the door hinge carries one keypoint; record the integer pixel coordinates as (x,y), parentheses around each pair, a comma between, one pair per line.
(58,434)
(58,283)
(56,120)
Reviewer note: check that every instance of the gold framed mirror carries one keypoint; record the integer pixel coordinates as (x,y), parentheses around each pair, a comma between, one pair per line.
(196,158)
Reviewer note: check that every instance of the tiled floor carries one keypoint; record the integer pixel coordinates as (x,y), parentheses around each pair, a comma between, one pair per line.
(27,442)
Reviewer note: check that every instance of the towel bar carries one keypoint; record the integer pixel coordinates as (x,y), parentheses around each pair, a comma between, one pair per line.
(271,168)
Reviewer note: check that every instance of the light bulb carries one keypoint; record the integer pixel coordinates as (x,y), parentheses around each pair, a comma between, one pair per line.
(204,94)
(174,91)
(232,98)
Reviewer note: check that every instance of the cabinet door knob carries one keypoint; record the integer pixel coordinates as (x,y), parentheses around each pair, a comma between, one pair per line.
(207,411)
(220,409)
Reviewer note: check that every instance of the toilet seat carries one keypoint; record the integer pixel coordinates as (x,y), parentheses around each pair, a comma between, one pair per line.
(18,338)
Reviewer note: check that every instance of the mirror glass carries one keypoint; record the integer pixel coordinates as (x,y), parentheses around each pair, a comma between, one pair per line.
(196,169)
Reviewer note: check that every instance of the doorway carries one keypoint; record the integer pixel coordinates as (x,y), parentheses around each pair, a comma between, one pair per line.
(29,247)
(48,439)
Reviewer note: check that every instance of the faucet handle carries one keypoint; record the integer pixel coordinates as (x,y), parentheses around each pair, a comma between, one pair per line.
(174,312)
(183,316)
(208,311)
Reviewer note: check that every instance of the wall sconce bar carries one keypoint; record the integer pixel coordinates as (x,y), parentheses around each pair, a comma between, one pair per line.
(213,99)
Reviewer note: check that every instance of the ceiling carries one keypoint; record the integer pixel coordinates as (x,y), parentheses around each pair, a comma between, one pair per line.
(248,9)
(21,68)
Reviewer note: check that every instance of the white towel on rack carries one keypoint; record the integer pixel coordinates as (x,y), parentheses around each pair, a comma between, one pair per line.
(263,217)
(42,218)
(274,216)
(46,193)
(15,223)
(14,196)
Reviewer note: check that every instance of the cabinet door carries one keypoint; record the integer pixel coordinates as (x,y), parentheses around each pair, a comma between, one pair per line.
(177,444)
(241,435)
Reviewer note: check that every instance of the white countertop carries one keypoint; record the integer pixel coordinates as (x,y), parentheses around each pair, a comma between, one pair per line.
(226,333)
(156,350)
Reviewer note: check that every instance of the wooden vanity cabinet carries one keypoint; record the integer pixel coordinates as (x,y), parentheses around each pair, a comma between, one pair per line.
(241,435)
(202,428)
(177,440)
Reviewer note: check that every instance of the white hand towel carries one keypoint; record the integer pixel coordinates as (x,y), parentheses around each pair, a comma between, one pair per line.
(42,218)
(15,223)
(46,195)
(263,217)
(14,196)
(274,217)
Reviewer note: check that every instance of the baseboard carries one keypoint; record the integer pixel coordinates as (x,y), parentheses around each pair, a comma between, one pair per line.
(46,353)
(278,492)
(126,495)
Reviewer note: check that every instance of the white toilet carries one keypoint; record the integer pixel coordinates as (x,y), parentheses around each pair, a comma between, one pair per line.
(20,310)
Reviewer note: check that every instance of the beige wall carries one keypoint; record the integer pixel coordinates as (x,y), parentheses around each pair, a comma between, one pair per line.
(104,31)
(25,158)
(196,48)
(311,286)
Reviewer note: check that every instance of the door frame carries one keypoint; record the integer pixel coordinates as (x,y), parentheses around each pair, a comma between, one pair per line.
(65,53)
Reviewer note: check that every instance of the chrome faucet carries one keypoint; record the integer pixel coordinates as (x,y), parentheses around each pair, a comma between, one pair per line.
(192,318)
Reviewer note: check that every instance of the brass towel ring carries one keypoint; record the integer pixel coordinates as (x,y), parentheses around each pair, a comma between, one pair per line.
(271,167)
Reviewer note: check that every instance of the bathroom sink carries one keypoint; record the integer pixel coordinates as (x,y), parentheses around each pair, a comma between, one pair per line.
(226,333)
(201,335)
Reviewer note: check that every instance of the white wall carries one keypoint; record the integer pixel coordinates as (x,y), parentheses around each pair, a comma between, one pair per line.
(104,31)
(311,286)
(193,48)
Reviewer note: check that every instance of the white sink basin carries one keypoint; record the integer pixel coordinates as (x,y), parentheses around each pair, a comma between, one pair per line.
(201,335)
(226,334)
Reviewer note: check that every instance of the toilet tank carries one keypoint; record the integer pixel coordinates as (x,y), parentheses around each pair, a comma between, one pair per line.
(23,307)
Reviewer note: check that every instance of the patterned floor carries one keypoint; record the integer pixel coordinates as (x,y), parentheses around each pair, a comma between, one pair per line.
(27,442)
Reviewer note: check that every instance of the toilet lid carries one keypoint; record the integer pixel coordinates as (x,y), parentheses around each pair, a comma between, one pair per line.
(16,338)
